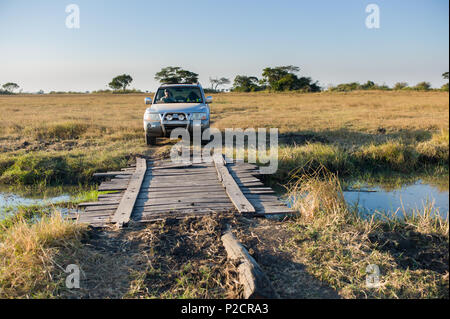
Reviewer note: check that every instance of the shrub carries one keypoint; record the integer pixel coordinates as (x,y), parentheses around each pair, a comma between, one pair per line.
(400,85)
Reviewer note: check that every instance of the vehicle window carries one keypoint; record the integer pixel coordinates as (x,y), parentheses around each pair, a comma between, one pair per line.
(180,94)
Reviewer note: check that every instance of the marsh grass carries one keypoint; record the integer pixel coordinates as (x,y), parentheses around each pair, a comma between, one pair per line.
(392,157)
(337,243)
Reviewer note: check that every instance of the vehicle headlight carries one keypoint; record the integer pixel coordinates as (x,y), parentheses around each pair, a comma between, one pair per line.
(198,116)
(151,117)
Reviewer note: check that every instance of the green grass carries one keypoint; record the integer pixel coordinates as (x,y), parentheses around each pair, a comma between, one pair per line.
(393,158)
(61,167)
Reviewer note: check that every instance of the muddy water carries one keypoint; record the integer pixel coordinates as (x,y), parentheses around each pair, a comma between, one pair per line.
(404,199)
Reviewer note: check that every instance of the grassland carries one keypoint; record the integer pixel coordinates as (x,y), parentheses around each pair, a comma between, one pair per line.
(370,135)
(65,138)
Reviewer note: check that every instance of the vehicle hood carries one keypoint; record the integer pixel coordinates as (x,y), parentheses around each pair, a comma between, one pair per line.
(178,107)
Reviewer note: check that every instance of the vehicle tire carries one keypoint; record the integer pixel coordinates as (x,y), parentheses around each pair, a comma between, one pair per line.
(150,140)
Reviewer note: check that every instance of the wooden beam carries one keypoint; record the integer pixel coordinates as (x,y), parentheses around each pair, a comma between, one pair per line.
(123,212)
(256,284)
(231,187)
(111,174)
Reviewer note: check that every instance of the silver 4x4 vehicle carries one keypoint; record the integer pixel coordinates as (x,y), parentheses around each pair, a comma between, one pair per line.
(174,106)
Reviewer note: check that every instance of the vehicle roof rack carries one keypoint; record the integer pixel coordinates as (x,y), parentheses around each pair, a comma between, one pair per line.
(197,83)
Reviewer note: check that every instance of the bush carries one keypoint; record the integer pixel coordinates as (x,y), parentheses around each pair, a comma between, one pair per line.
(400,85)
(423,86)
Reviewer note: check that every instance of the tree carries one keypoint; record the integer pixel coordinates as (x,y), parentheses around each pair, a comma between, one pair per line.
(425,86)
(369,85)
(445,86)
(244,83)
(175,75)
(215,83)
(283,78)
(400,85)
(272,75)
(10,87)
(120,82)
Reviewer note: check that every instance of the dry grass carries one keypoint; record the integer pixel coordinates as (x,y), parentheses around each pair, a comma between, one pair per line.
(333,112)
(84,133)
(33,256)
(290,112)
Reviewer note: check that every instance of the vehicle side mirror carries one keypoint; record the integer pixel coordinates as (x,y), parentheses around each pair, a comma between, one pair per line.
(208,99)
(148,100)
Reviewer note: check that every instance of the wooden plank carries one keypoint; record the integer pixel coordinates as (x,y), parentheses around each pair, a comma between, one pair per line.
(262,197)
(148,216)
(102,188)
(181,179)
(221,198)
(181,189)
(101,207)
(99,203)
(111,174)
(264,208)
(171,166)
(231,187)
(256,284)
(122,215)
(85,216)
(169,185)
(183,206)
(213,208)
(184,193)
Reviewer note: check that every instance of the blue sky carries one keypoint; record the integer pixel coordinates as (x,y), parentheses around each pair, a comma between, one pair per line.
(327,39)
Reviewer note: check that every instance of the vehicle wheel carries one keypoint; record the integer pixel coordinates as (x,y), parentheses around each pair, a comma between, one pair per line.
(150,140)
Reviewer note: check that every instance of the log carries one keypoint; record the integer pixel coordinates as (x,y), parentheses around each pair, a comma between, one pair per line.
(256,284)
(232,188)
(123,213)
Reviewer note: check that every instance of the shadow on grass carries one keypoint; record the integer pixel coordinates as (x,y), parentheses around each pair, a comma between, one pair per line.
(414,250)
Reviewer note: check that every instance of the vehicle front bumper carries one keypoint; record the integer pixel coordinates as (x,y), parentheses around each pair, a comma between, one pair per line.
(163,128)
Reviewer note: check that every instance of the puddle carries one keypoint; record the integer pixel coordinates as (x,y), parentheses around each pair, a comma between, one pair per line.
(409,197)
(11,200)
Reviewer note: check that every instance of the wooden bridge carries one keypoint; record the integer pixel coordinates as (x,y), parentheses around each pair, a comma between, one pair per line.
(154,190)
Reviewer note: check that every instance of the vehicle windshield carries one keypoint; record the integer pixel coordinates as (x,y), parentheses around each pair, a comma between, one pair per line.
(179,94)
